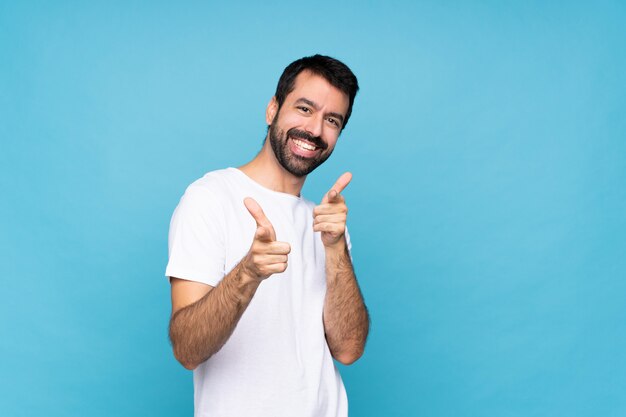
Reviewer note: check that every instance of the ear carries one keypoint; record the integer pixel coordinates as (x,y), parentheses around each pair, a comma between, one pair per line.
(271,110)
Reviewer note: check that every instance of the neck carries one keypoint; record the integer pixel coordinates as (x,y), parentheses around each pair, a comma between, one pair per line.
(267,171)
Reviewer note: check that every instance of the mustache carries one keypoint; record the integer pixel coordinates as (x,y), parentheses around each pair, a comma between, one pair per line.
(301,134)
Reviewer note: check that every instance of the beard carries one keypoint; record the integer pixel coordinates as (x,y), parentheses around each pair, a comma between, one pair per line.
(296,164)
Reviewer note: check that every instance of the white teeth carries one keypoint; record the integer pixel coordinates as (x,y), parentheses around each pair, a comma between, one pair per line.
(304,145)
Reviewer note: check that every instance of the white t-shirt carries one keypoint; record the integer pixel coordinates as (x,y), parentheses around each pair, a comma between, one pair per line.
(277,362)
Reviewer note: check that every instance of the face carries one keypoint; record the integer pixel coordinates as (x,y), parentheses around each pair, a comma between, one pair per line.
(304,131)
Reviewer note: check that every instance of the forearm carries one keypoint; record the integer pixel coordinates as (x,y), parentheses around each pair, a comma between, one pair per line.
(346,320)
(199,330)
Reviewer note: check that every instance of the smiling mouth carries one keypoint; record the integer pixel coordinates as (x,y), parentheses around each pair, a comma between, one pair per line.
(304,145)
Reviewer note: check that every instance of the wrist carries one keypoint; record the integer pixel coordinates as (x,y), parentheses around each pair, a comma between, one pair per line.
(338,248)
(247,278)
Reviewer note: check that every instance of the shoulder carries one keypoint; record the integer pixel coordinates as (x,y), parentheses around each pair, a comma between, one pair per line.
(206,193)
(213,181)
(212,186)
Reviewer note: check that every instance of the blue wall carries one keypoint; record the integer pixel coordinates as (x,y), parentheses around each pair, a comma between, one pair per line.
(488,206)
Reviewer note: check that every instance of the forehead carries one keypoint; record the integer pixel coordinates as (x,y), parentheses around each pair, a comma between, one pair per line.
(315,88)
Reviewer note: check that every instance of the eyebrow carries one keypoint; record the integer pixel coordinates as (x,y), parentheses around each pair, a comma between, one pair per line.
(316,107)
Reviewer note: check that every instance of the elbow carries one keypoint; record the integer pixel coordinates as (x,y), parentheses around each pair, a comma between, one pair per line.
(184,361)
(183,357)
(188,365)
(188,359)
(181,354)
(348,357)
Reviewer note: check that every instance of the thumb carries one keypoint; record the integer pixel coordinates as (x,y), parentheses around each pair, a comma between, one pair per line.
(341,183)
(332,197)
(263,234)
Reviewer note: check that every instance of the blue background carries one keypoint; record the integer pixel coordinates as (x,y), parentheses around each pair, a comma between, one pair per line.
(488,206)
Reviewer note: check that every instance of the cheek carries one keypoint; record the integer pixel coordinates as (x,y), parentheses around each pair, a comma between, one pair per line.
(331,140)
(290,120)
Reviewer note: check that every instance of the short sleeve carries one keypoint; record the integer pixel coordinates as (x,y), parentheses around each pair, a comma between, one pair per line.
(348,242)
(196,238)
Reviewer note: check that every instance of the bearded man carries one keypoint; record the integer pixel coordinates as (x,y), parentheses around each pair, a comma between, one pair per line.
(264,294)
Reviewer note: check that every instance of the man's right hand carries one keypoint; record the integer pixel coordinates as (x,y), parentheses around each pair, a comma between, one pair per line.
(266,255)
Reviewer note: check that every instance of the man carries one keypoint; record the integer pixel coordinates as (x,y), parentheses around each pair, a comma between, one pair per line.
(263,290)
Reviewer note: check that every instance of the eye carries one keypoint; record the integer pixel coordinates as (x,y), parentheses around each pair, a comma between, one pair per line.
(304,109)
(333,121)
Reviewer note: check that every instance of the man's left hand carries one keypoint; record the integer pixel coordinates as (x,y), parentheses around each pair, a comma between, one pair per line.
(330,216)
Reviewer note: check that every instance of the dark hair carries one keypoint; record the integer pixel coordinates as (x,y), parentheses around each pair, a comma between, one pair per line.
(332,70)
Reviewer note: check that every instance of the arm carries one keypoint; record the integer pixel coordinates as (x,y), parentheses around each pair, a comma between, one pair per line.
(345,316)
(346,320)
(204,317)
(200,329)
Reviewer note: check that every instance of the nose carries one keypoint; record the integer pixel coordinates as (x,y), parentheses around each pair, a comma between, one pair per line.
(314,125)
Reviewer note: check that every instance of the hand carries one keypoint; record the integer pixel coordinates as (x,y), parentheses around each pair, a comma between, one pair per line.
(266,256)
(330,216)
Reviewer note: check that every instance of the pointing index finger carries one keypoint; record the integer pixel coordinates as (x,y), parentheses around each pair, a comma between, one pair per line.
(256,212)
